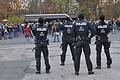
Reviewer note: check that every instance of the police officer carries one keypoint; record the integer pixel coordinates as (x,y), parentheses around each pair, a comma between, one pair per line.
(82,36)
(102,30)
(67,39)
(40,32)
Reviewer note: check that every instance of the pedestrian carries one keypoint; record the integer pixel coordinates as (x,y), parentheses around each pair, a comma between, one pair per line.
(67,39)
(114,27)
(5,34)
(15,30)
(102,30)
(28,32)
(55,31)
(24,27)
(83,38)
(10,31)
(40,33)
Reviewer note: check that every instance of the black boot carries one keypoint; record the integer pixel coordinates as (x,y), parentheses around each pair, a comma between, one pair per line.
(90,72)
(38,70)
(48,70)
(76,73)
(98,67)
(62,64)
(109,66)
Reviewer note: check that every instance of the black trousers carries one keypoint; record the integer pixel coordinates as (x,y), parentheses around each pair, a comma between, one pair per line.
(106,45)
(64,49)
(41,48)
(78,50)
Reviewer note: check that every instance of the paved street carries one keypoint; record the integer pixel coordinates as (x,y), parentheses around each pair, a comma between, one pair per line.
(17,62)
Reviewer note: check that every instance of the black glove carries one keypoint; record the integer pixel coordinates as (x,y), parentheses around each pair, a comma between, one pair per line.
(61,45)
(109,43)
(73,44)
(33,49)
(47,41)
(90,40)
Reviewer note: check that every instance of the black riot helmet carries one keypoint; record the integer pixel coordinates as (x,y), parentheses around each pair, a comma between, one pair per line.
(81,16)
(102,17)
(41,20)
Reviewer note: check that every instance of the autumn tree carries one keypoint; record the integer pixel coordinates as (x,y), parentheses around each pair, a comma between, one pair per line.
(91,8)
(116,10)
(9,8)
(48,6)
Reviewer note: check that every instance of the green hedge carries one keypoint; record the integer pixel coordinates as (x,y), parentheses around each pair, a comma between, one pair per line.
(15,20)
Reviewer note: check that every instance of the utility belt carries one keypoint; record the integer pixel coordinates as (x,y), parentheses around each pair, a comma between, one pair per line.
(82,38)
(66,38)
(101,37)
(44,41)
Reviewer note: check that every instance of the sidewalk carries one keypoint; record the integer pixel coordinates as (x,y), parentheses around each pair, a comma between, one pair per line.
(66,72)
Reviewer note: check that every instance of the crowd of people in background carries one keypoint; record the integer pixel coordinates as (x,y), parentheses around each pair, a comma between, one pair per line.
(16,31)
(115,24)
(25,30)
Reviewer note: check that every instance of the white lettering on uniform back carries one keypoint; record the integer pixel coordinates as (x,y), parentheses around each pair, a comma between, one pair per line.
(41,29)
(68,25)
(103,26)
(81,24)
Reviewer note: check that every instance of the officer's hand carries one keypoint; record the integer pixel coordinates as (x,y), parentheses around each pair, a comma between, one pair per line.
(47,41)
(90,40)
(34,43)
(73,44)
(61,45)
(109,43)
